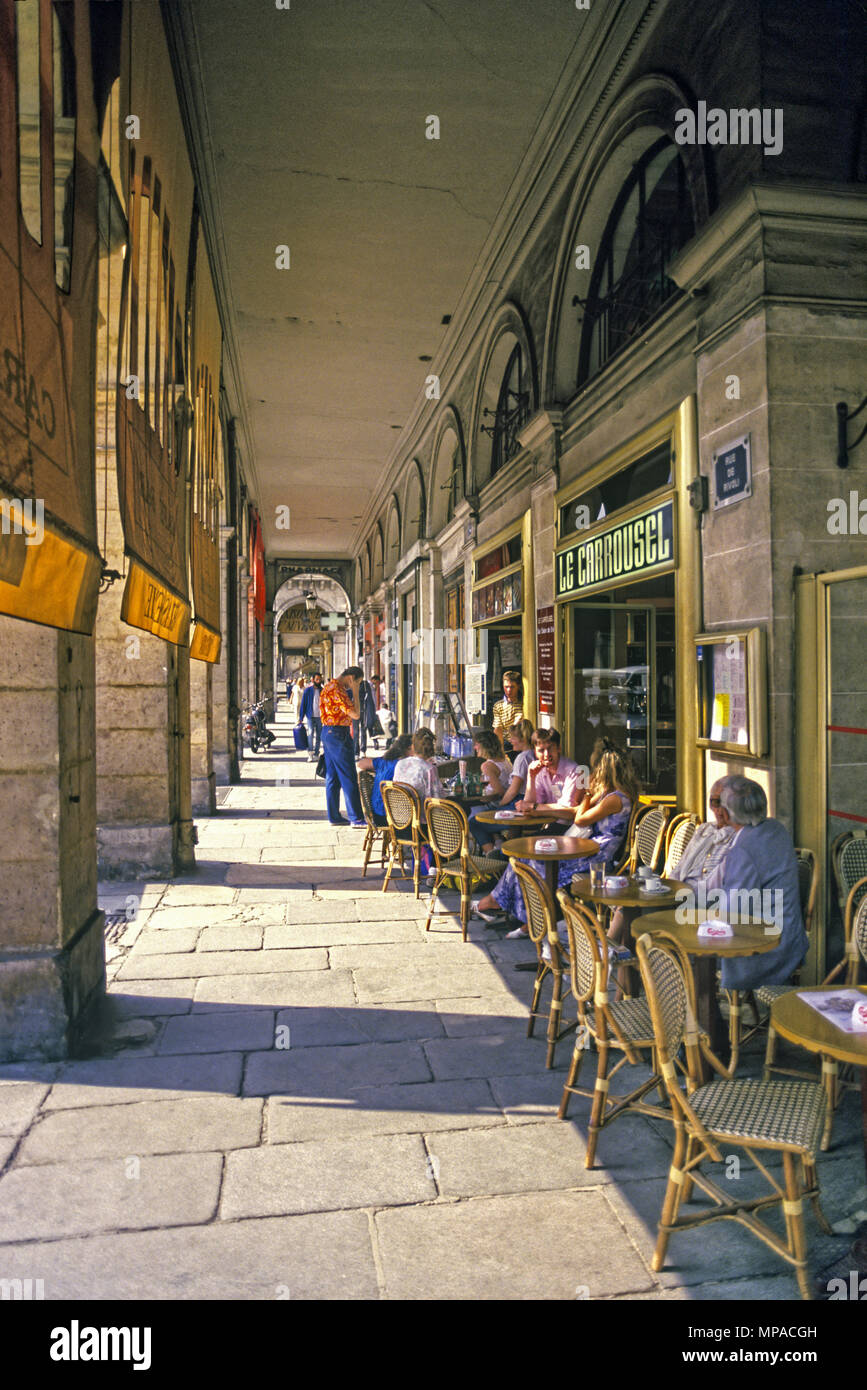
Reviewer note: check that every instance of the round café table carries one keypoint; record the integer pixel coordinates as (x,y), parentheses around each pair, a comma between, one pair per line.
(794,1019)
(525,848)
(517,822)
(749,939)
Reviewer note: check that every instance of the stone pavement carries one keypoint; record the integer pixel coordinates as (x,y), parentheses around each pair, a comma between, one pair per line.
(298,1093)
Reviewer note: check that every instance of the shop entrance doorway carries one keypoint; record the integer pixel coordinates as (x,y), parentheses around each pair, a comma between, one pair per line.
(622,685)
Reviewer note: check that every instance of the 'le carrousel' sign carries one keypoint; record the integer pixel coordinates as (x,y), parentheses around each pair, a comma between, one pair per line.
(624,551)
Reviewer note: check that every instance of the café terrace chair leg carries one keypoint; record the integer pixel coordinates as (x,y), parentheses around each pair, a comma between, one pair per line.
(811,1185)
(793,1209)
(541,972)
(673,1196)
(572,1078)
(600,1095)
(829,1083)
(554,1018)
(433,897)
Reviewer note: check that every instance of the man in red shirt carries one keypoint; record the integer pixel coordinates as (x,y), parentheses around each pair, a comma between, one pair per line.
(338,706)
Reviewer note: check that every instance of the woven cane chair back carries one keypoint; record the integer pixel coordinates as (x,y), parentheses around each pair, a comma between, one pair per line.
(365,791)
(808,882)
(859,928)
(677,843)
(648,838)
(665,974)
(447,827)
(626,851)
(402,805)
(849,860)
(587,954)
(541,913)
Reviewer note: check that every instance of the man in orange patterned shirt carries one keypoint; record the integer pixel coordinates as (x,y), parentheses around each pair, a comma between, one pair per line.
(338,706)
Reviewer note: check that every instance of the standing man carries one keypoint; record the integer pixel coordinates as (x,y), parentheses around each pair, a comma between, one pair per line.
(510,710)
(311,717)
(338,707)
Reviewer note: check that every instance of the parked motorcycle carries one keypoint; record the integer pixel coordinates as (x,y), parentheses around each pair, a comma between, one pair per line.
(255,730)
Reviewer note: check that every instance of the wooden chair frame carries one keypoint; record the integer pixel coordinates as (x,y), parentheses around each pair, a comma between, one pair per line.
(665,966)
(374,830)
(542,928)
(648,816)
(684,822)
(624,1026)
(403,817)
(448,835)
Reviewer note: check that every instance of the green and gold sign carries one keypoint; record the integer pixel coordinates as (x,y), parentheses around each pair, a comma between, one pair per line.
(626,550)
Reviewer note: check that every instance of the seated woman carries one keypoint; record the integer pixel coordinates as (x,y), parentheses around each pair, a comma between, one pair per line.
(419,769)
(383,771)
(496,768)
(598,828)
(520,737)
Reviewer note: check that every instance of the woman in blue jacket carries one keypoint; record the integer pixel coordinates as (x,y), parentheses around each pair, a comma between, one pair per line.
(383,771)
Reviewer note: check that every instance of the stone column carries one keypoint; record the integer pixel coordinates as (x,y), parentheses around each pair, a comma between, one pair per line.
(203,780)
(52,959)
(137,710)
(223,722)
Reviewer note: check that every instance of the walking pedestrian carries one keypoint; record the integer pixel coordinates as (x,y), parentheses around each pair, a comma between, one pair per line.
(311,716)
(338,707)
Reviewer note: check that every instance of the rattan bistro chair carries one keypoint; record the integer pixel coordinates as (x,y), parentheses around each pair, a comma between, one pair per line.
(624,1025)
(849,863)
(403,813)
(648,839)
(375,832)
(855,929)
(757,1116)
(626,849)
(680,832)
(449,837)
(542,926)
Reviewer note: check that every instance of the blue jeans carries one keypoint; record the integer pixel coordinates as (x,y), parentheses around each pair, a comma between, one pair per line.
(314,733)
(340,773)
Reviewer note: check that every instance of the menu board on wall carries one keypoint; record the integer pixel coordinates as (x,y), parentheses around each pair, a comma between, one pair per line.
(476,697)
(499,598)
(545,658)
(729,715)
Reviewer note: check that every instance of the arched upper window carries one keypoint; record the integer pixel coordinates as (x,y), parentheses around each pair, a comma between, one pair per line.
(511,414)
(650,222)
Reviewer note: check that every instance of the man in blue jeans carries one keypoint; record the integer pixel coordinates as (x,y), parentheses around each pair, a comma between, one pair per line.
(338,706)
(309,715)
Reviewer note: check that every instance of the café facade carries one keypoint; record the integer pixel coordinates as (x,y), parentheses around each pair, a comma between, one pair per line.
(628,469)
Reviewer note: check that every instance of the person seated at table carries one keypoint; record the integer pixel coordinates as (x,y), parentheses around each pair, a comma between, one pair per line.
(598,827)
(496,768)
(383,771)
(553,782)
(760,878)
(418,768)
(701,863)
(521,739)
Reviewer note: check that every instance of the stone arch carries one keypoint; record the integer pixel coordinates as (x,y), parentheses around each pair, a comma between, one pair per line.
(507,330)
(448,454)
(645,112)
(365,571)
(392,552)
(414,506)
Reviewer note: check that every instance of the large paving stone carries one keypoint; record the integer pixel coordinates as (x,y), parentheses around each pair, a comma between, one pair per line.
(152,998)
(534,1096)
(165,943)
(333,1071)
(396,1109)
(543,1245)
(64,1199)
(222,963)
(401,955)
(529,1158)
(384,906)
(19,1102)
(466,1018)
(166,918)
(120,1080)
(197,895)
(310,988)
(323,1257)
(237,1031)
(493,1055)
(309,910)
(333,934)
(441,979)
(365,1023)
(6,1147)
(230,937)
(148,1127)
(337,1175)
(296,856)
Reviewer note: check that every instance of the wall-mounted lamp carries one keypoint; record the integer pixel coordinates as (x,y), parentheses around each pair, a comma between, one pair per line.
(844,415)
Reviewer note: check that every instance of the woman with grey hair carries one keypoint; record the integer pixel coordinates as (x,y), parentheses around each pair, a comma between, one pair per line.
(760,878)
